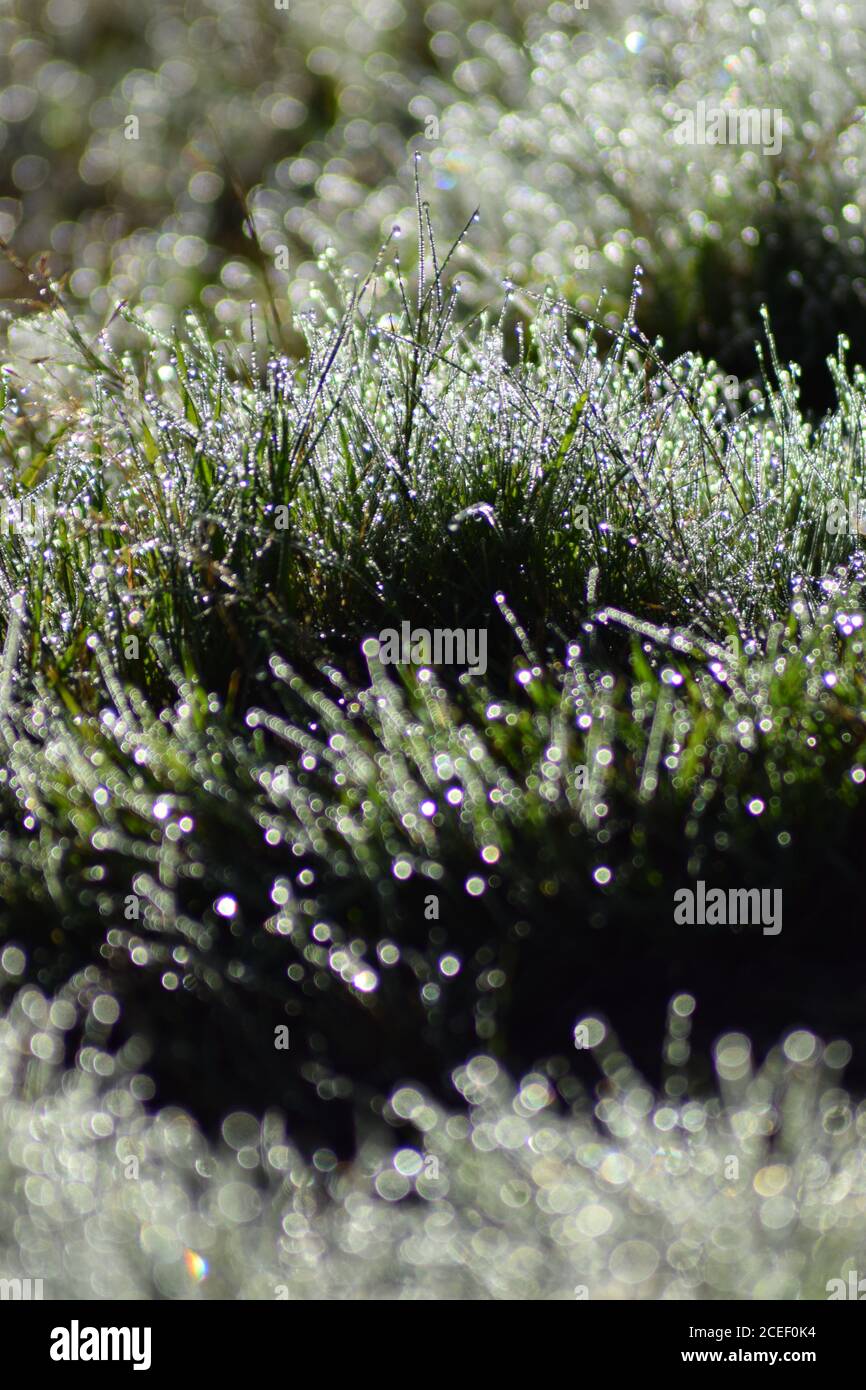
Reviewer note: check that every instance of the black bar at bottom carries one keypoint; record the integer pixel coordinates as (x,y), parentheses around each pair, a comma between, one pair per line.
(58,1340)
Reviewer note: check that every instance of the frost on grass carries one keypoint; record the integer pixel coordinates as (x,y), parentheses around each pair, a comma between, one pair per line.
(758,1191)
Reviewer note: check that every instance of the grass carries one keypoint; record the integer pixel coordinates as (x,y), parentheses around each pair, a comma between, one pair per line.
(676,673)
(406,466)
(220,817)
(558,120)
(756,1192)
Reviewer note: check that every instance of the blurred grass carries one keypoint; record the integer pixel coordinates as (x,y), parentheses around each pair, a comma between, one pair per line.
(557,121)
(756,1192)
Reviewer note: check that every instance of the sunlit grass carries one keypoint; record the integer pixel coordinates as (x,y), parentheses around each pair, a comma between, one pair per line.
(223,817)
(757,1191)
(557,119)
(230,505)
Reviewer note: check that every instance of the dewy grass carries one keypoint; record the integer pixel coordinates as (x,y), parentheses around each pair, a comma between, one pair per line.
(757,1192)
(559,118)
(408,468)
(393,871)
(220,819)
